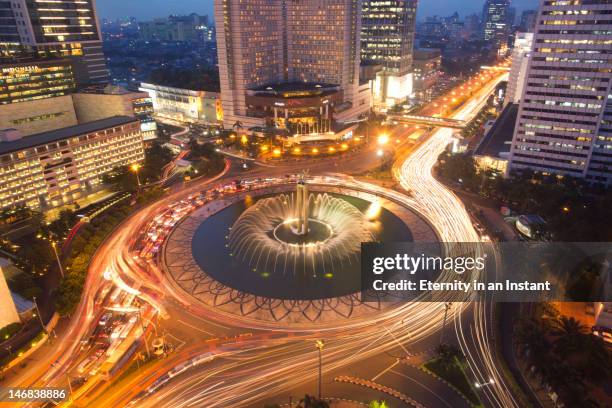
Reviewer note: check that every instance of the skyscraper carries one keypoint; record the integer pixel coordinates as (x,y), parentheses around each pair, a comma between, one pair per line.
(387,38)
(55,28)
(528,20)
(274,49)
(495,24)
(564,124)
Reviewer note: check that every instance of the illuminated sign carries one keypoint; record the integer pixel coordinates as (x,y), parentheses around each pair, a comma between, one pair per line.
(26,68)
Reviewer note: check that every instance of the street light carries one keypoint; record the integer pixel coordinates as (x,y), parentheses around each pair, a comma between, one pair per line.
(54,248)
(447,307)
(383,139)
(59,263)
(319,345)
(42,325)
(134,168)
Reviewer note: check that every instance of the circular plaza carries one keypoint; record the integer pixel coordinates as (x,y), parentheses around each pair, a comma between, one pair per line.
(287,251)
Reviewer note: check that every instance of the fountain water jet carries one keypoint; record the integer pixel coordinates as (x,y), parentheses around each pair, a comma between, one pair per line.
(300,233)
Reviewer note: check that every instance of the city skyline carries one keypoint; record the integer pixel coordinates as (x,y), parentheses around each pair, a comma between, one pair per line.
(310,204)
(114,9)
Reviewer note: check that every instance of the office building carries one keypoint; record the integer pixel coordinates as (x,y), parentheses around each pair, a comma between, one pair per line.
(57,167)
(95,103)
(184,105)
(273,44)
(387,38)
(36,79)
(564,123)
(427,69)
(520,60)
(190,28)
(528,20)
(496,28)
(471,26)
(52,29)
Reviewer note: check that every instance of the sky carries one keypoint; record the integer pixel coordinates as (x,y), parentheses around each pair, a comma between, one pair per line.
(146,9)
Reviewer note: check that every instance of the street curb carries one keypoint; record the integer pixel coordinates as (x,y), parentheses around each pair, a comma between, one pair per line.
(451,386)
(379,387)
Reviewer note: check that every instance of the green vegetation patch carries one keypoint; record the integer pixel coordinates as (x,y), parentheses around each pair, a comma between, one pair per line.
(453,373)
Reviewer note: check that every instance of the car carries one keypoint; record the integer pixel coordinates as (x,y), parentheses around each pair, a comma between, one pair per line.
(105,318)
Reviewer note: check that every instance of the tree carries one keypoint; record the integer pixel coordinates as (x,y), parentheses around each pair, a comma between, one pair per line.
(377,404)
(448,355)
(312,402)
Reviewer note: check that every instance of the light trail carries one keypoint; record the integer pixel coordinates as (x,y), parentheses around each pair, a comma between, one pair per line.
(451,220)
(251,371)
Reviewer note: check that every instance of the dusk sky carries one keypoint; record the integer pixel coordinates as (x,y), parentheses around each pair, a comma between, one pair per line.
(146,9)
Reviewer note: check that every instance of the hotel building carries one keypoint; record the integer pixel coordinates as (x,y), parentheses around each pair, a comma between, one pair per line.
(57,167)
(289,49)
(564,123)
(387,38)
(52,29)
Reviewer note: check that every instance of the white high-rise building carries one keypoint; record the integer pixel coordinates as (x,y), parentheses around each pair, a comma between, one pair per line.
(520,60)
(289,64)
(564,124)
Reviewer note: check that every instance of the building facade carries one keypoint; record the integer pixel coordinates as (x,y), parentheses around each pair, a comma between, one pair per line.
(54,168)
(271,42)
(52,29)
(427,65)
(387,38)
(564,123)
(40,115)
(518,70)
(97,103)
(495,25)
(184,105)
(27,81)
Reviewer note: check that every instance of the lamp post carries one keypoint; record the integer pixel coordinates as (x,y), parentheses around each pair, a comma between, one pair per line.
(447,307)
(38,314)
(319,345)
(135,168)
(59,263)
(54,248)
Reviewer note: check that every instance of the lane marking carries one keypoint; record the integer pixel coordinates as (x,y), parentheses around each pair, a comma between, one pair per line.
(385,370)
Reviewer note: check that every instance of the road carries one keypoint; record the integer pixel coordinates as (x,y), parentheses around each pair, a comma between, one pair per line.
(248,370)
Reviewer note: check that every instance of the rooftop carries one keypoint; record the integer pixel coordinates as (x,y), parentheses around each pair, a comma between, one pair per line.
(498,138)
(63,133)
(295,86)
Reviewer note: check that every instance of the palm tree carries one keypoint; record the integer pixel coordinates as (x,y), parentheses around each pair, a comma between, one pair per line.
(570,335)
(312,402)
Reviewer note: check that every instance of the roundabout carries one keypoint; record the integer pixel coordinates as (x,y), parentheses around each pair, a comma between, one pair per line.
(287,251)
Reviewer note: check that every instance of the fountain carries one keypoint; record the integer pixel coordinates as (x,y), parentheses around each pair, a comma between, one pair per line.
(301,233)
